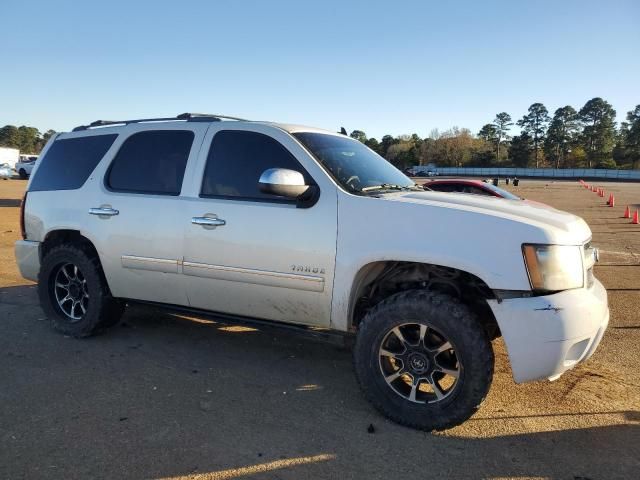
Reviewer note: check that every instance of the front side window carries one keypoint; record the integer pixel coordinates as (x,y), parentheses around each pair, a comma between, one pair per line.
(236,161)
(151,162)
(354,166)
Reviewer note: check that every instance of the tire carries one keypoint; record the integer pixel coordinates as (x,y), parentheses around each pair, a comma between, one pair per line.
(23,173)
(93,310)
(387,368)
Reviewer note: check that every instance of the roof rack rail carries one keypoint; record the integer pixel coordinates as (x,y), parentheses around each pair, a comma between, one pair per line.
(189,117)
(207,116)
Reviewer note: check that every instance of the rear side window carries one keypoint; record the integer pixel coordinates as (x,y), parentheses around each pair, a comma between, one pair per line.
(236,161)
(151,162)
(69,162)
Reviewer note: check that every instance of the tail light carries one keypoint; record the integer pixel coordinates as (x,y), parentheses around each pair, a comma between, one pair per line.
(23,231)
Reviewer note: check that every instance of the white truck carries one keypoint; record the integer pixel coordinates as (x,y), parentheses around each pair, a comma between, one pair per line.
(10,156)
(25,166)
(292,224)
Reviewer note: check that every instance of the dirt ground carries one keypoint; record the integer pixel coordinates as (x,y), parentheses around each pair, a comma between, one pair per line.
(168,396)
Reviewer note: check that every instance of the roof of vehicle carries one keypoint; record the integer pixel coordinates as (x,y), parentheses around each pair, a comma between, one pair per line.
(199,117)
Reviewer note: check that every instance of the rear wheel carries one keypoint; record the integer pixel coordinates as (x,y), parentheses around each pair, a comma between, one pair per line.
(423,360)
(23,173)
(74,294)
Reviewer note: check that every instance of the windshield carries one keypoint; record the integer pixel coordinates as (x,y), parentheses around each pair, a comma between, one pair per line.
(501,192)
(353,165)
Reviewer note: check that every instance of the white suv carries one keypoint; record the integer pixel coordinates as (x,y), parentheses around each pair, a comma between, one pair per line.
(292,224)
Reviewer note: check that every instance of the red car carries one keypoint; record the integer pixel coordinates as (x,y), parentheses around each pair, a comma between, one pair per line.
(469,186)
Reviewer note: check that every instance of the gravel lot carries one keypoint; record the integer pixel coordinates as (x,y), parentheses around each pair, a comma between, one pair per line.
(167,396)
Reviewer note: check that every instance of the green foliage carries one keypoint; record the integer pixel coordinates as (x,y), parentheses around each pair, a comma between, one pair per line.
(598,134)
(632,137)
(520,149)
(359,135)
(26,139)
(534,124)
(373,144)
(488,133)
(561,134)
(503,124)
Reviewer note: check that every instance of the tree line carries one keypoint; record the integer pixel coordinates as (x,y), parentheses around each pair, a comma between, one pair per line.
(585,138)
(26,139)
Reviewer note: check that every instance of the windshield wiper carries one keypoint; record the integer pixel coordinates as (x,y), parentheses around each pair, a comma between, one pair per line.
(389,186)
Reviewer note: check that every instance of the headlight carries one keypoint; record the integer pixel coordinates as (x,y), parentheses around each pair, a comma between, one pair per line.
(554,267)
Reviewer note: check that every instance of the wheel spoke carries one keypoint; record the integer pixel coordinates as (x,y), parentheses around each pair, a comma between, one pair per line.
(400,337)
(445,346)
(414,389)
(63,286)
(82,307)
(448,371)
(423,332)
(387,353)
(437,390)
(75,272)
(65,273)
(393,376)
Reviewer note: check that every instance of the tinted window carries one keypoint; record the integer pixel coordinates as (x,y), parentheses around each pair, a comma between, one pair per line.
(442,187)
(236,161)
(151,162)
(479,191)
(69,162)
(502,193)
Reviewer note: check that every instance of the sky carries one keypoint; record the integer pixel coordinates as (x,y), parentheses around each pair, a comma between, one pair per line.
(381,67)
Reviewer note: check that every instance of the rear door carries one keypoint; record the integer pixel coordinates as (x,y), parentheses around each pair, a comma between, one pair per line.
(136,211)
(267,258)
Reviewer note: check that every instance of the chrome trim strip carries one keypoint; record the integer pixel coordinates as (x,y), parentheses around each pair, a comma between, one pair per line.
(258,277)
(152,264)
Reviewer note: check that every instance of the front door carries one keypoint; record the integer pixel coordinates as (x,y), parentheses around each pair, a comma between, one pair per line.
(252,254)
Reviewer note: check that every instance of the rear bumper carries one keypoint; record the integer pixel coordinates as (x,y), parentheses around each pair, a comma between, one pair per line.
(548,335)
(28,258)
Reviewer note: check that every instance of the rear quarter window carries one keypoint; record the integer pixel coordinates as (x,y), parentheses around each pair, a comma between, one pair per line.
(69,162)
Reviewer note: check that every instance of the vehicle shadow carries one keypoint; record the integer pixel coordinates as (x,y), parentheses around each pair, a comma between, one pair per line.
(165,395)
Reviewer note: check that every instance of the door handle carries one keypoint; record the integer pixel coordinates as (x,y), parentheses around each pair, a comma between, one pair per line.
(106,211)
(208,221)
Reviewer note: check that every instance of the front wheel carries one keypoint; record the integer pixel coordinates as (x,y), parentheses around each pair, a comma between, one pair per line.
(74,294)
(22,173)
(423,360)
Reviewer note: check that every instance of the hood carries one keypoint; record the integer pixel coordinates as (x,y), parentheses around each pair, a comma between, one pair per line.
(534,213)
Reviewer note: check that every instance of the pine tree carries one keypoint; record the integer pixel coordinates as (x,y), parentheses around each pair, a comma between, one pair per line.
(535,124)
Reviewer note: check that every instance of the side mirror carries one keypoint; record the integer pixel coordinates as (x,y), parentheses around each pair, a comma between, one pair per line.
(283,182)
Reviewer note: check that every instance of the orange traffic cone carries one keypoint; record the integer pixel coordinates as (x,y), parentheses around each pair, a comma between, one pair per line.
(627,212)
(635,218)
(602,192)
(612,200)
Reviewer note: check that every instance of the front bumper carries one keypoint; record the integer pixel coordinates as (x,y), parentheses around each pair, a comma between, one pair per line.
(548,335)
(28,259)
